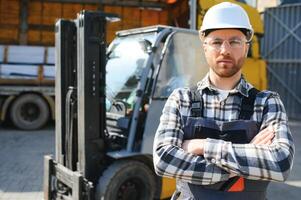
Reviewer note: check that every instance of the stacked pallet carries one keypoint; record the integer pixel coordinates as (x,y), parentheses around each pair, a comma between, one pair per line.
(26,65)
(31,22)
(9,21)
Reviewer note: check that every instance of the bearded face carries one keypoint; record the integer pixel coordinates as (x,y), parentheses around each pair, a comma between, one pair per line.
(225,51)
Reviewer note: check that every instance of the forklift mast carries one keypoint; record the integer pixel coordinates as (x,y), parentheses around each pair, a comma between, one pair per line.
(80,107)
(91,108)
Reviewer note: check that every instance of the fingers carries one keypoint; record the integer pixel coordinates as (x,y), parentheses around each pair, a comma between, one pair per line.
(267,140)
(232,175)
(185,145)
(262,134)
(264,137)
(194,146)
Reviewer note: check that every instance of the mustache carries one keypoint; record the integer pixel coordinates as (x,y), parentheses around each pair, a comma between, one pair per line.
(225,58)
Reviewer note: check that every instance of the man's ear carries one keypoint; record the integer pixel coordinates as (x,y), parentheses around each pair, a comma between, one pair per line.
(204,47)
(246,55)
(201,36)
(247,50)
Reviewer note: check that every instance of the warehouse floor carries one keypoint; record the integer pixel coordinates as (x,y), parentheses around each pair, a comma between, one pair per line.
(21,165)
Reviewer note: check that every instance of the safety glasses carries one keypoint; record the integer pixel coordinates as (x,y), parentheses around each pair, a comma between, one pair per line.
(217,44)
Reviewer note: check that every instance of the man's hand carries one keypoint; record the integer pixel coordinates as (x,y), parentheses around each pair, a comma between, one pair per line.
(194,146)
(264,137)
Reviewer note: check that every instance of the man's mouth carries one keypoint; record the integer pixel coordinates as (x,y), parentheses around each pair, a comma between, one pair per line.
(225,61)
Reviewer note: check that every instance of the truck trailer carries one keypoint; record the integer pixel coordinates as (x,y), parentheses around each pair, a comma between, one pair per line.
(26,85)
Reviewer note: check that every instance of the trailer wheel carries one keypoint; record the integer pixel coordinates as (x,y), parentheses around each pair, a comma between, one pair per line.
(29,112)
(126,180)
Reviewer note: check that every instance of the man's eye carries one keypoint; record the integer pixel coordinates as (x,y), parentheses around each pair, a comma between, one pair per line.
(216,43)
(235,42)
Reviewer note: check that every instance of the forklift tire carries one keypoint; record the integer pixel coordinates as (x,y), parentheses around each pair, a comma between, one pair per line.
(29,112)
(126,180)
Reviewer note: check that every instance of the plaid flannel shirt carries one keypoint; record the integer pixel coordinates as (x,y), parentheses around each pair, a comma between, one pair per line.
(258,162)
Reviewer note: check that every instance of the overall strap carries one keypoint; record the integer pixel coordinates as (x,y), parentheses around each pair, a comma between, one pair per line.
(247,105)
(196,102)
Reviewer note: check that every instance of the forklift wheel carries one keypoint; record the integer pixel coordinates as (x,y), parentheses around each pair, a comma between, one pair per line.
(126,180)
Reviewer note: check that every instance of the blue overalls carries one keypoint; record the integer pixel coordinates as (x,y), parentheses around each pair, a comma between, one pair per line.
(239,131)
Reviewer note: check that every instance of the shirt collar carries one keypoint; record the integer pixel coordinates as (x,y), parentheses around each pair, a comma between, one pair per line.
(242,87)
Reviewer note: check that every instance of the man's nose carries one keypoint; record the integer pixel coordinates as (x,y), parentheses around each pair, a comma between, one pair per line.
(225,48)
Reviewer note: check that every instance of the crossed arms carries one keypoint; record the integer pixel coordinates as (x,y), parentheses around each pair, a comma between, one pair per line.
(269,156)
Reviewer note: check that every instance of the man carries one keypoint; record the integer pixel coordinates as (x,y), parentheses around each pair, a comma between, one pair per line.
(223,139)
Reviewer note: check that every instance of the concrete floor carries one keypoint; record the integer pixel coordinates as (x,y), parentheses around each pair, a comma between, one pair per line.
(21,162)
(21,165)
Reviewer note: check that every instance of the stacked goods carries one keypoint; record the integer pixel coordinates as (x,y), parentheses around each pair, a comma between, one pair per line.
(26,65)
(42,16)
(9,21)
(32,22)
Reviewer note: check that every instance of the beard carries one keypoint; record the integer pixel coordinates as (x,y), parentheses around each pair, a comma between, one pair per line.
(227,70)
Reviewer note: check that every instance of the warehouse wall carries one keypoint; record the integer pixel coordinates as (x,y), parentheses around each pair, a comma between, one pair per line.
(281,47)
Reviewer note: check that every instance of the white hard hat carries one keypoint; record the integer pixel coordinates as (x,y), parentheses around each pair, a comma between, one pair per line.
(226,15)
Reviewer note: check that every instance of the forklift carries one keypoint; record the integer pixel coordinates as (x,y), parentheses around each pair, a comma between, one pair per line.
(108,105)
